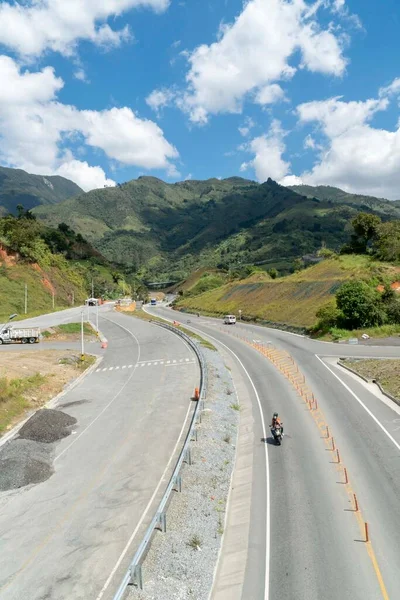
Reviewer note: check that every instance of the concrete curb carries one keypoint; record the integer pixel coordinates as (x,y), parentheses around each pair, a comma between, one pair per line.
(390,396)
(50,403)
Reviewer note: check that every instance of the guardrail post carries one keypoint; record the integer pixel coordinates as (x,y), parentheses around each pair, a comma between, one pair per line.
(188,456)
(178,483)
(137,578)
(194,436)
(162,521)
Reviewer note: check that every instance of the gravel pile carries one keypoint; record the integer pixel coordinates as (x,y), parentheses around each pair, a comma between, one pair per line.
(181,563)
(23,462)
(47,426)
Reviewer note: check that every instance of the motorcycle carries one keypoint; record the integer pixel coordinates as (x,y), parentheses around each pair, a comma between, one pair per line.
(277,434)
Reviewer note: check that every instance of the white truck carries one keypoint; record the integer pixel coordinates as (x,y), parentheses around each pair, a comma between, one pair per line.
(8,335)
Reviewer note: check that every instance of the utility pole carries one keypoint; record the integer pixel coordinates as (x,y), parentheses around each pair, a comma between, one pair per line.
(53,299)
(73,298)
(26,298)
(92,289)
(97,317)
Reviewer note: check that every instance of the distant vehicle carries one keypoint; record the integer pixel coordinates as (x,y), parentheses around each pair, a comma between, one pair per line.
(229,320)
(153,302)
(91,302)
(25,336)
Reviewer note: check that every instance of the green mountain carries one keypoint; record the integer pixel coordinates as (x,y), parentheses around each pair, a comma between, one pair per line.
(19,187)
(163,228)
(359,201)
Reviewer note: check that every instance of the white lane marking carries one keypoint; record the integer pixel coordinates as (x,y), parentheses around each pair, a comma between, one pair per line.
(105,369)
(187,359)
(181,364)
(168,361)
(268,507)
(146,510)
(111,368)
(123,367)
(391,438)
(116,368)
(150,361)
(149,364)
(174,361)
(130,366)
(97,370)
(143,365)
(111,401)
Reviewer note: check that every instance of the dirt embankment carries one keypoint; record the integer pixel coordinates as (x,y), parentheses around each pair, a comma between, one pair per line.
(30,379)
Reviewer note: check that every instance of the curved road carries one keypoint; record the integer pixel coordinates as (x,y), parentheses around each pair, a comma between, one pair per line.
(72,536)
(307,543)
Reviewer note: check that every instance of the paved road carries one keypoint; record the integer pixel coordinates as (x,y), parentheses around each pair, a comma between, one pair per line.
(64,539)
(315,549)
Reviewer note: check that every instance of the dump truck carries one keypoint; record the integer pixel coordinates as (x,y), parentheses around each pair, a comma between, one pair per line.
(8,335)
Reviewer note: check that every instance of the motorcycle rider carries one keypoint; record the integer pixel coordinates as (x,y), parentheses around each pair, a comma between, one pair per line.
(276,421)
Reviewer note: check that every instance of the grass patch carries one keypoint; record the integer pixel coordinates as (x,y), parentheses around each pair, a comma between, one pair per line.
(382,331)
(13,397)
(385,371)
(235,406)
(227,438)
(194,542)
(68,330)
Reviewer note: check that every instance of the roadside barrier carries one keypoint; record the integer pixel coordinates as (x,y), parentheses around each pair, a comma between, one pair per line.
(134,575)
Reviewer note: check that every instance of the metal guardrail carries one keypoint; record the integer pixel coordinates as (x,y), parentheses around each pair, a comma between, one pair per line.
(133,576)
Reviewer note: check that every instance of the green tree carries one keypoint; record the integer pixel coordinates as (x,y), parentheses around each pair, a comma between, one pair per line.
(360,304)
(365,226)
(273,273)
(387,241)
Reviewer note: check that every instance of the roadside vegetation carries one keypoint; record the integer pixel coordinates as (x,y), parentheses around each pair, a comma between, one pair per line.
(344,295)
(385,371)
(58,266)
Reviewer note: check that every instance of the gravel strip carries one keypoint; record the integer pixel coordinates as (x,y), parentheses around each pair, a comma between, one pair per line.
(181,562)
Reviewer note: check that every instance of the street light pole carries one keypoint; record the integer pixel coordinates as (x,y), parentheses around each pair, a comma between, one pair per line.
(26,298)
(97,317)
(82,341)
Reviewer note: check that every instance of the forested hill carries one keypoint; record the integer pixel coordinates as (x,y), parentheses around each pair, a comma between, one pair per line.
(18,187)
(162,227)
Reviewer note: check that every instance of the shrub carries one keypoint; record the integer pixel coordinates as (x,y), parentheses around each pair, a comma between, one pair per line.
(360,304)
(328,316)
(393,312)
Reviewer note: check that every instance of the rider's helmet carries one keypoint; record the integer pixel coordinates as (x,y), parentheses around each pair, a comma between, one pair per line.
(275,415)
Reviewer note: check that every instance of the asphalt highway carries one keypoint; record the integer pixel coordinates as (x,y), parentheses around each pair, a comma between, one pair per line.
(307,542)
(72,536)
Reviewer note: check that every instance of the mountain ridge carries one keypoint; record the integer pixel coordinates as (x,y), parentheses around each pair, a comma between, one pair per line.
(19,187)
(157,226)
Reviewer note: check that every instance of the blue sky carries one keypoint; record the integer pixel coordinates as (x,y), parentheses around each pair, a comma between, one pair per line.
(300,91)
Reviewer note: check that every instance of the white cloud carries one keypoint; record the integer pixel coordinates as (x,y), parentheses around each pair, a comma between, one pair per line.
(38,25)
(159,99)
(269,94)
(35,129)
(309,143)
(87,177)
(247,126)
(254,52)
(357,156)
(268,150)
